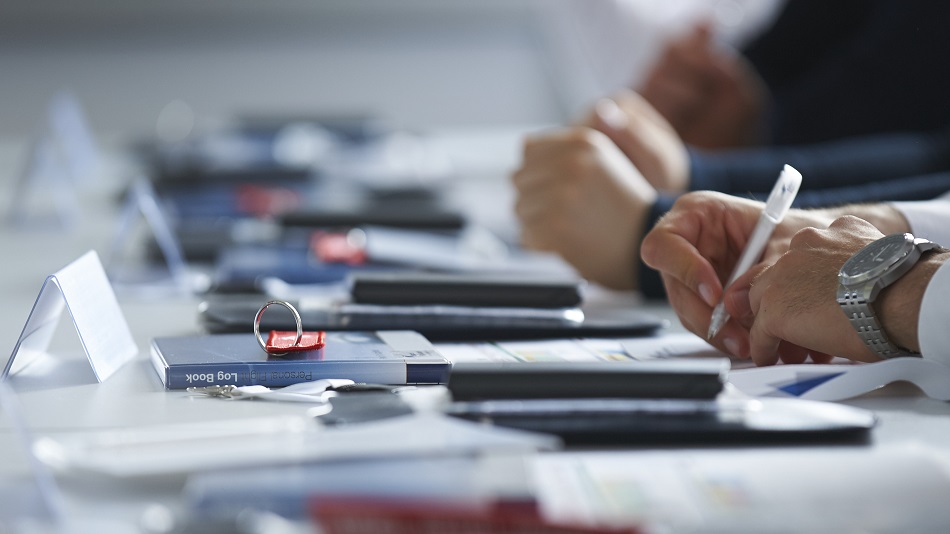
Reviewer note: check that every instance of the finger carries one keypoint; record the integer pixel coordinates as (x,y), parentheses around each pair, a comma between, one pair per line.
(541,208)
(791,353)
(683,59)
(532,178)
(554,145)
(733,339)
(736,301)
(630,127)
(821,357)
(692,311)
(736,296)
(614,122)
(763,344)
(565,167)
(675,99)
(693,62)
(702,33)
(538,147)
(763,347)
(693,49)
(695,315)
(669,252)
(609,118)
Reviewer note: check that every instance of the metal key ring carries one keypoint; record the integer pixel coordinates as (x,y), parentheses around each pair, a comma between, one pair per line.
(260,313)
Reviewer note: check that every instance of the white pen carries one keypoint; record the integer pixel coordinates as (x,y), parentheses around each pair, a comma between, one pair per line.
(776,206)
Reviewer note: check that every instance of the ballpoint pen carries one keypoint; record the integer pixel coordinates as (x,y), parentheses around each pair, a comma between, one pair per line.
(776,206)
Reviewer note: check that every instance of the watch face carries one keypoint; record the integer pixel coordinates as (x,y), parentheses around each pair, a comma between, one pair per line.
(874,259)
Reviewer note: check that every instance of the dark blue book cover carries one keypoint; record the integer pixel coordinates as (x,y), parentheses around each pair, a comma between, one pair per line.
(386,357)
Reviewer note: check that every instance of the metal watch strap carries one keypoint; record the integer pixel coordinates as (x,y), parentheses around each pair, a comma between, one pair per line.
(862,318)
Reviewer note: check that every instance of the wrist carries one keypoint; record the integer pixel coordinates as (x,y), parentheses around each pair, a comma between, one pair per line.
(886,218)
(898,305)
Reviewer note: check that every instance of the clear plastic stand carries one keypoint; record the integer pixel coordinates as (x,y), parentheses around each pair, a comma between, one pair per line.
(83,288)
(44,196)
(142,203)
(76,143)
(62,156)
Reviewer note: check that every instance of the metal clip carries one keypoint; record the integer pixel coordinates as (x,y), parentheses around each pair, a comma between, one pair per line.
(224,391)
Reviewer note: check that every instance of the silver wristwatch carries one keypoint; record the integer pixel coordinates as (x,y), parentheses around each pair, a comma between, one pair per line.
(870,270)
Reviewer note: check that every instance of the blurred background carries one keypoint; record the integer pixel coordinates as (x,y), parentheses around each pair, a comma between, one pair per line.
(419,64)
(229,108)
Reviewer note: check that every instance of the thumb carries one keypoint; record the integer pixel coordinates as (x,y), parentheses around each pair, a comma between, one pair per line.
(609,118)
(616,124)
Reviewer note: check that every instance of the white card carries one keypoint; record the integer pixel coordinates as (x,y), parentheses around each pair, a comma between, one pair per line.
(843,381)
(83,289)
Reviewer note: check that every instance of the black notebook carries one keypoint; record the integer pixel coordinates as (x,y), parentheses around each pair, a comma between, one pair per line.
(232,313)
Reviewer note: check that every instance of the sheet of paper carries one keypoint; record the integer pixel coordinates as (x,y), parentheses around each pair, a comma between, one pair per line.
(559,350)
(670,346)
(835,382)
(474,353)
(584,350)
(898,489)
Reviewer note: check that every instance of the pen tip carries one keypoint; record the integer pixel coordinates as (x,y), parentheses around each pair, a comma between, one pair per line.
(716,322)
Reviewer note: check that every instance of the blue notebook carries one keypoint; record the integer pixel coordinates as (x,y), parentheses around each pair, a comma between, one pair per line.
(389,357)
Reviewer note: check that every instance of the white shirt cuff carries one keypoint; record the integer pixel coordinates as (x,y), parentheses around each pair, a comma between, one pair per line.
(928,219)
(932,328)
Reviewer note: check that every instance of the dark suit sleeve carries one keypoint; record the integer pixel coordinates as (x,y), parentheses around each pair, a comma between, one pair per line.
(650,283)
(832,165)
(847,68)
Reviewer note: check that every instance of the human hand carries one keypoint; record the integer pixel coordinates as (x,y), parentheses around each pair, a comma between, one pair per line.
(712,96)
(794,300)
(645,137)
(579,196)
(696,246)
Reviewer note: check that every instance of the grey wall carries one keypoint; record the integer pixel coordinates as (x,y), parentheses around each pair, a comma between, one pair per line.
(419,63)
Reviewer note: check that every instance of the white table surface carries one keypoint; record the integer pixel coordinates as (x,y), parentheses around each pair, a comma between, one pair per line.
(134,397)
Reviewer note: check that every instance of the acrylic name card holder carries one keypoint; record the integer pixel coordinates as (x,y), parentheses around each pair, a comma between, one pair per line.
(127,273)
(43,195)
(83,289)
(62,156)
(77,144)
